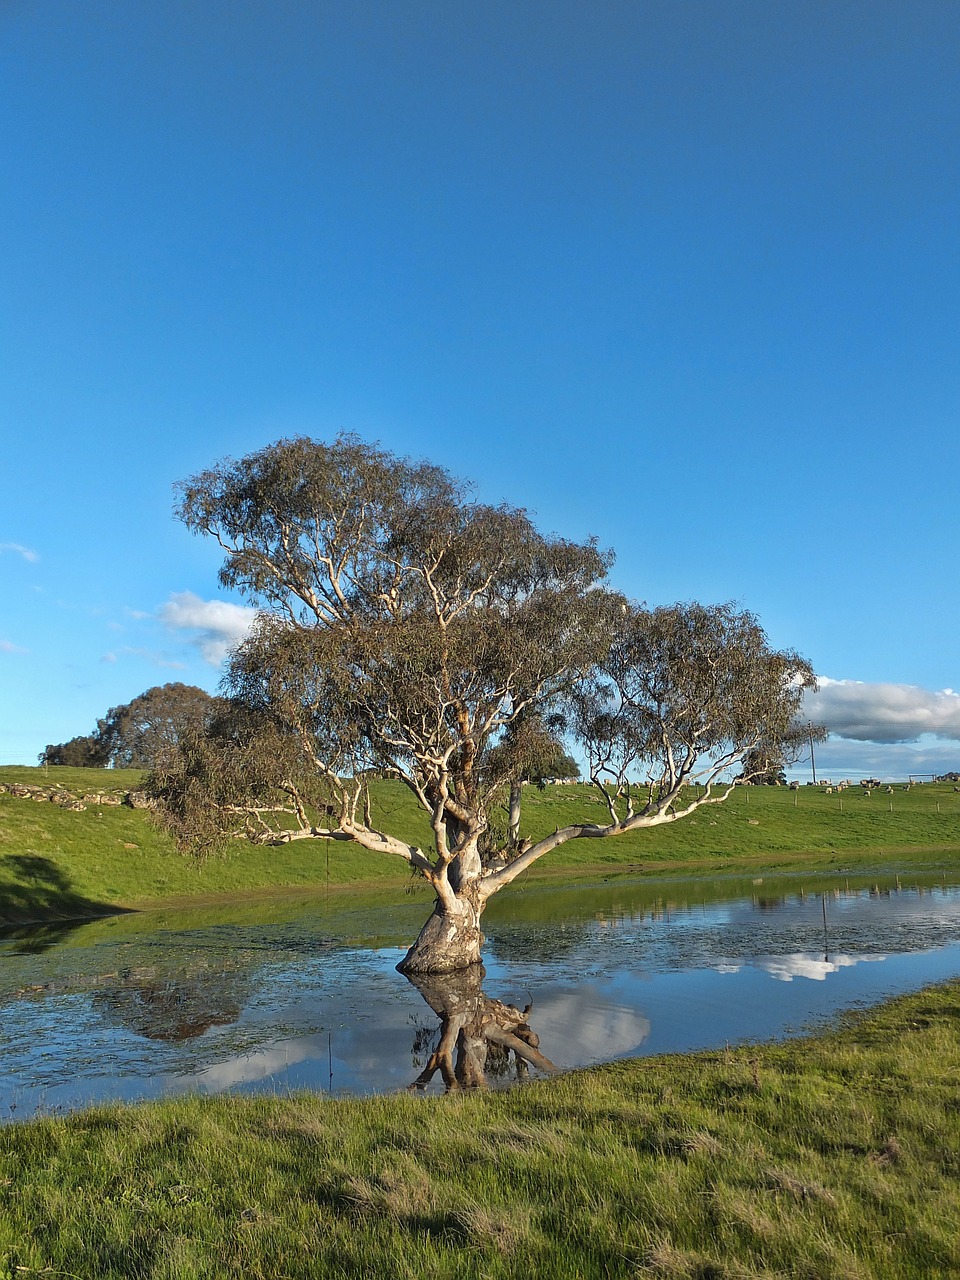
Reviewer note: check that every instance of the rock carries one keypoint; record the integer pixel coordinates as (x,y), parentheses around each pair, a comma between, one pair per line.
(138,800)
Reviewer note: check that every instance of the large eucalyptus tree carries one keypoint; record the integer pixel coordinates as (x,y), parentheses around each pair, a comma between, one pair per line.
(407,630)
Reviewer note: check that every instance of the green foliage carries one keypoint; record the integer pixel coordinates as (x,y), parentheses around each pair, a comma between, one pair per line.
(833,1156)
(83,752)
(531,750)
(684,693)
(406,629)
(764,766)
(134,735)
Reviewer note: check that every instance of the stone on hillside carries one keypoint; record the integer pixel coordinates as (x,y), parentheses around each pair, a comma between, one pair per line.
(137,800)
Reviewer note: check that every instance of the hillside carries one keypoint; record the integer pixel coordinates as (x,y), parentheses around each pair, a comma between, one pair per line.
(83,851)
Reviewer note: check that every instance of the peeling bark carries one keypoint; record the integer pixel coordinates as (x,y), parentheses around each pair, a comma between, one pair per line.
(451,939)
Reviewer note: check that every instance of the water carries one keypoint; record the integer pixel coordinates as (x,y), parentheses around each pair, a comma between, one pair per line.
(158,1004)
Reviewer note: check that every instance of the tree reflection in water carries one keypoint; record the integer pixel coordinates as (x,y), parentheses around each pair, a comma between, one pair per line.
(174,1006)
(480,1038)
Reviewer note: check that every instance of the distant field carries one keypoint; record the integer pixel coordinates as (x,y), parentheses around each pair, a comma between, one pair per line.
(59,862)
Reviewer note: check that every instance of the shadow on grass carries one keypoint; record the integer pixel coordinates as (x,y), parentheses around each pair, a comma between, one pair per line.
(38,904)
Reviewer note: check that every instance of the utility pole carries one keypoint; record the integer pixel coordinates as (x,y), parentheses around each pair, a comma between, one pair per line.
(813,763)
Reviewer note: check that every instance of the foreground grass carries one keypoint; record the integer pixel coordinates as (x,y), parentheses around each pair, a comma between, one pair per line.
(57,862)
(835,1156)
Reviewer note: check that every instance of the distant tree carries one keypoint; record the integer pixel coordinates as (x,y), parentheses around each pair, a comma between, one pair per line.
(84,752)
(136,732)
(409,631)
(530,750)
(132,735)
(765,765)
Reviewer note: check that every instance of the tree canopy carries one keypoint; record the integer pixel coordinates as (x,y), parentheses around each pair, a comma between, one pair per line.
(408,630)
(86,751)
(135,732)
(764,767)
(131,735)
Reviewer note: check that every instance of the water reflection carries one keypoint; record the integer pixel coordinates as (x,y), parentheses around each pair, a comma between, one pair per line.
(801,965)
(136,1007)
(174,1008)
(480,1039)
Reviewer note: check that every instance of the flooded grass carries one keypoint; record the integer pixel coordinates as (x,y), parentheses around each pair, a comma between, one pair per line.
(833,1156)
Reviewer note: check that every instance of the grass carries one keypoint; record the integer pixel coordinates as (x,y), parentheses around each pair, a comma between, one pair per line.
(59,862)
(55,862)
(836,1156)
(768,821)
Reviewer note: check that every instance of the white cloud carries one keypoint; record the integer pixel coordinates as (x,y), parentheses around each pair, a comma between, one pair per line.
(804,965)
(32,556)
(219,625)
(883,713)
(891,762)
(7,646)
(148,655)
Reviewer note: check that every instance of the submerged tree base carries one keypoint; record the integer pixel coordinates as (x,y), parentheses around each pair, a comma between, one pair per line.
(450,941)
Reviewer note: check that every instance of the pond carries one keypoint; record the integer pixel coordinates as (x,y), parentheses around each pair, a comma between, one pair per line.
(302,992)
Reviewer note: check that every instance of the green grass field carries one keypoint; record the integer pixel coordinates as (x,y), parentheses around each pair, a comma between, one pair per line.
(836,1157)
(56,862)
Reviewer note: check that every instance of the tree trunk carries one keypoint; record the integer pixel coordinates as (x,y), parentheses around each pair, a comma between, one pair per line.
(451,938)
(516,796)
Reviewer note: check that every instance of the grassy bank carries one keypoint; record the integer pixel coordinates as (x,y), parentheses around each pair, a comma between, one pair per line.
(834,1156)
(57,862)
(54,861)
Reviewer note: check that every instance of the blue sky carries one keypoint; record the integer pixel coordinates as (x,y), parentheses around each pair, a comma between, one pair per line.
(680,275)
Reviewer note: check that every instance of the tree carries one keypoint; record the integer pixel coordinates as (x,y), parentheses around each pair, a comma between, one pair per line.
(765,766)
(407,630)
(134,733)
(131,736)
(83,752)
(529,751)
